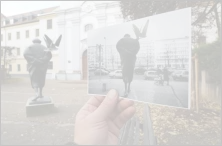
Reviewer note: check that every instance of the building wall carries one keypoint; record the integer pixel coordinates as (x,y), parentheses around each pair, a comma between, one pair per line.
(174,51)
(23,66)
(22,43)
(72,23)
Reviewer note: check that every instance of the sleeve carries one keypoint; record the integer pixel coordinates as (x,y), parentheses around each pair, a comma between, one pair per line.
(121,47)
(30,57)
(47,57)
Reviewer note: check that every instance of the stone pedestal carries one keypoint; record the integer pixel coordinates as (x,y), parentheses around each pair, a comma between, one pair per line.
(39,107)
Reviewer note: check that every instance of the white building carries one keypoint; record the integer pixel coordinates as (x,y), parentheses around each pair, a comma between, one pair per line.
(173,53)
(19,31)
(72,20)
(75,19)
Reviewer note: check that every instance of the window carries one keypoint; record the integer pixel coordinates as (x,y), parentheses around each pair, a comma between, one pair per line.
(27,34)
(9,36)
(1,37)
(19,67)
(186,73)
(49,24)
(2,52)
(50,65)
(18,51)
(10,67)
(7,22)
(88,27)
(37,32)
(18,35)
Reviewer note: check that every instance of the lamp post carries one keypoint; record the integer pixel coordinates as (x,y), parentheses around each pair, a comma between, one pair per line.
(147,58)
(105,53)
(99,47)
(167,56)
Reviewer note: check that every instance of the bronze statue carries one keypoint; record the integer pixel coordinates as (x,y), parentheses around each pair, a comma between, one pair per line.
(128,49)
(37,57)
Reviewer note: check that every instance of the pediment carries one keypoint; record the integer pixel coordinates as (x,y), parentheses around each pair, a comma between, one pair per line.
(88,6)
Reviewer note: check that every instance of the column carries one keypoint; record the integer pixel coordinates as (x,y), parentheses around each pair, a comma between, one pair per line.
(76,45)
(101,14)
(119,18)
(62,46)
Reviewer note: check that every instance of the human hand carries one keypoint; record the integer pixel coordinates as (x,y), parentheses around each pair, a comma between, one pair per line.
(99,121)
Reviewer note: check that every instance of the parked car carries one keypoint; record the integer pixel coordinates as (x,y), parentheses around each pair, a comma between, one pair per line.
(106,69)
(101,71)
(150,75)
(116,74)
(92,69)
(139,71)
(152,69)
(180,75)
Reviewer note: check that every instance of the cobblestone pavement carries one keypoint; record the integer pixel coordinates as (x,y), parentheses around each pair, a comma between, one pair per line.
(55,128)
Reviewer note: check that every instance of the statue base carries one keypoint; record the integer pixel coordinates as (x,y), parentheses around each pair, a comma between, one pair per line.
(41,106)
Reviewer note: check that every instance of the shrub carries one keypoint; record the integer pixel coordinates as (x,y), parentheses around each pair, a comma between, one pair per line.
(210,60)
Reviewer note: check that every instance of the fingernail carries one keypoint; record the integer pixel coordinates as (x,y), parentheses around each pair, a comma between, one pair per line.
(112,94)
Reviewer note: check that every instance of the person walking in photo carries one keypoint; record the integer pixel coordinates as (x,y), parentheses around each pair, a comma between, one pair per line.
(166,75)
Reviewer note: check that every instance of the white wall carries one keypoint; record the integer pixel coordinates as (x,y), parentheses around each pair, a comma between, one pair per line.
(52,33)
(23,42)
(73,20)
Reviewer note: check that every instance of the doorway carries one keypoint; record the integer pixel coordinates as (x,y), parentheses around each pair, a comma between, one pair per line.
(84,66)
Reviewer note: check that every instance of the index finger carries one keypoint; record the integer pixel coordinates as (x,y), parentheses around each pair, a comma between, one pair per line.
(94,101)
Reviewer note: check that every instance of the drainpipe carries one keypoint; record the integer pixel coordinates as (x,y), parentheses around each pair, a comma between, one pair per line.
(5,48)
(64,45)
(105,39)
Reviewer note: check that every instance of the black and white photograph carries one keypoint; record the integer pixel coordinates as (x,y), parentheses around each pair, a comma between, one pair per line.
(146,60)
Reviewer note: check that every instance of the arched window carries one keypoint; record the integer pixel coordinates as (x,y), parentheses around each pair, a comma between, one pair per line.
(88,27)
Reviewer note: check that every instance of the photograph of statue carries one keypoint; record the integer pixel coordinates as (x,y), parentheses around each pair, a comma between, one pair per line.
(147,59)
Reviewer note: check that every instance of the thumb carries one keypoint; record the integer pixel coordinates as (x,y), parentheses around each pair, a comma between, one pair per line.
(107,106)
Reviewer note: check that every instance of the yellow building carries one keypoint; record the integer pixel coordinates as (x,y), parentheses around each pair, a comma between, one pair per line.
(19,31)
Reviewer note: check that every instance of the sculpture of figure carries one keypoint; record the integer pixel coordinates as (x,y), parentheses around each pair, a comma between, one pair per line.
(37,57)
(128,49)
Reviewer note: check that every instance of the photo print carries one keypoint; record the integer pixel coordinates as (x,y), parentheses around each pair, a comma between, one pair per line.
(146,60)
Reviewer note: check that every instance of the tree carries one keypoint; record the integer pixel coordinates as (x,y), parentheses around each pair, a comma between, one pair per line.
(7,56)
(210,60)
(205,13)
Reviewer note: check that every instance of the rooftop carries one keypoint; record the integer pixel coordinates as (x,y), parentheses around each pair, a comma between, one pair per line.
(41,11)
(24,17)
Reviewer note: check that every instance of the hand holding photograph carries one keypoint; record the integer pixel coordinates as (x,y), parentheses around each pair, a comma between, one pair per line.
(150,64)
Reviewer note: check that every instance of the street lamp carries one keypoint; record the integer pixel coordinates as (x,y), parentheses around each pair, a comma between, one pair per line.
(99,48)
(105,53)
(167,58)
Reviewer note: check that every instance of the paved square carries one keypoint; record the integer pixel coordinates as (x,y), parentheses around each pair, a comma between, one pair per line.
(56,128)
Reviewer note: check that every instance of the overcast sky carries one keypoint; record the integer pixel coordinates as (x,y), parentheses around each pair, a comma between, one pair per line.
(9,8)
(175,24)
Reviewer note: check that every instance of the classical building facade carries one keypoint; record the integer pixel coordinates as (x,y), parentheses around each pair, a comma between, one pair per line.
(75,19)
(19,31)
